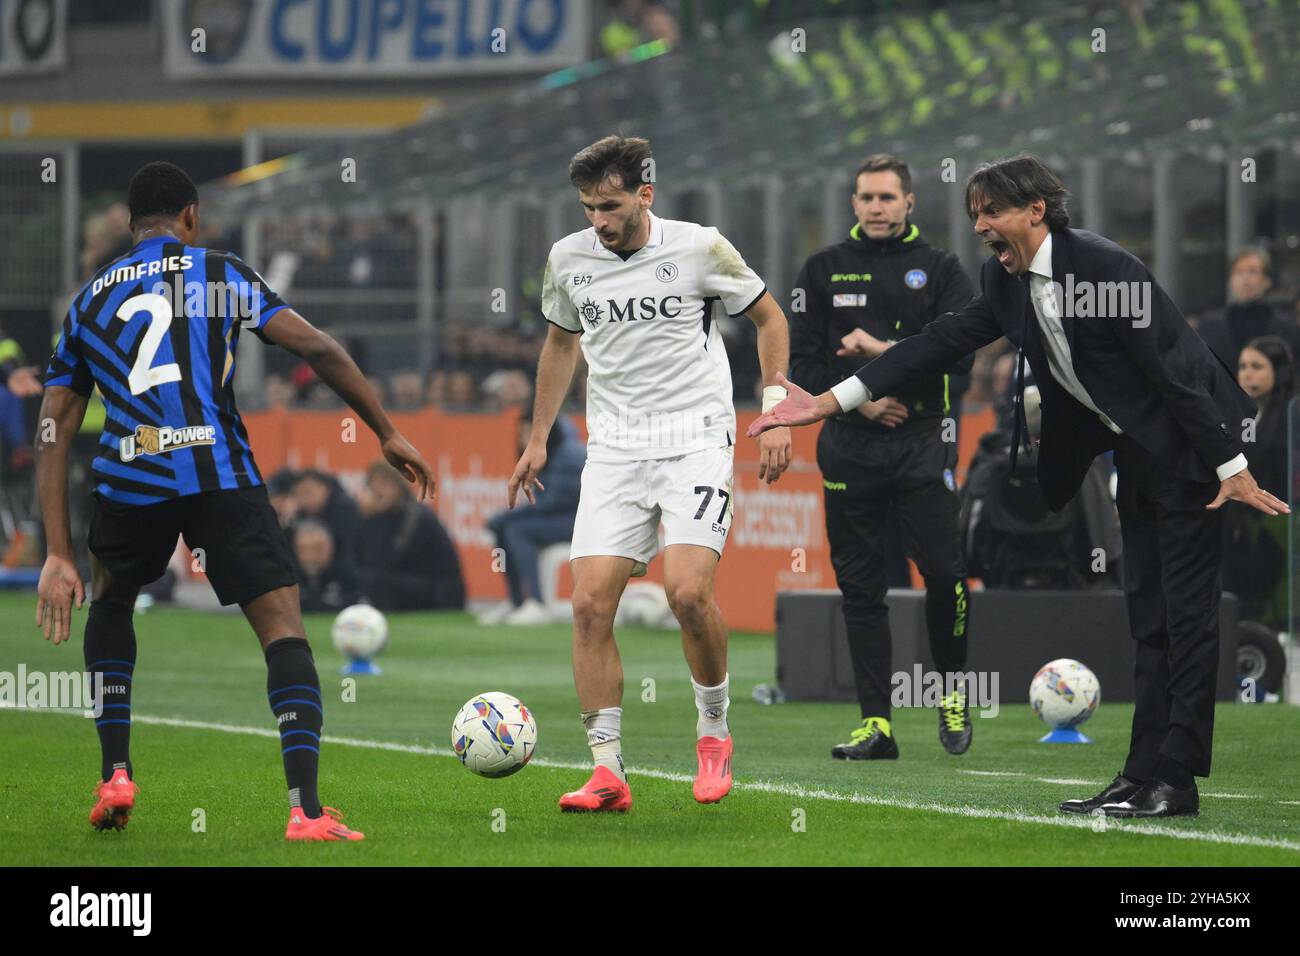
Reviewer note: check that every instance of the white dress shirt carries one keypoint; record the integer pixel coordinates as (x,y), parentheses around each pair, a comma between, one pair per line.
(1048,311)
(851,392)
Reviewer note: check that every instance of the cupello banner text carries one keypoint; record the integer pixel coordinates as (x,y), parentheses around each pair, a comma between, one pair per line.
(370,39)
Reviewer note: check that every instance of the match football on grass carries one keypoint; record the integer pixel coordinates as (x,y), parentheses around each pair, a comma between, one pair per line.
(650,434)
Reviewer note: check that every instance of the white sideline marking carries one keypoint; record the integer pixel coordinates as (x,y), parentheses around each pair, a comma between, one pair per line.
(992,773)
(1228,796)
(1067,781)
(800,793)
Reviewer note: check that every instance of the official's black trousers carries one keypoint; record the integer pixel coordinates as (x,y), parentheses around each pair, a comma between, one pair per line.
(865,475)
(1172,554)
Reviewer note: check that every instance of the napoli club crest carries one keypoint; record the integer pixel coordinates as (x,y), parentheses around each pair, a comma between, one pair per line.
(915,279)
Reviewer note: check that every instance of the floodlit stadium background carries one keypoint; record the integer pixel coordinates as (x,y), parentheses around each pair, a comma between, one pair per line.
(1176,126)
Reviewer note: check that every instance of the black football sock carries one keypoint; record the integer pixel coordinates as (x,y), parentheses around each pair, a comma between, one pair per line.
(1170,771)
(293,690)
(109,647)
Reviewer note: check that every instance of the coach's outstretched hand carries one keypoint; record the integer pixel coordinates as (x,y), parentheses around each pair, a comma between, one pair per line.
(401,454)
(1242,487)
(531,463)
(60,584)
(798,408)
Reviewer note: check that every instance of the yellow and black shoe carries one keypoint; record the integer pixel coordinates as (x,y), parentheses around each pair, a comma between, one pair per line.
(872,741)
(955,727)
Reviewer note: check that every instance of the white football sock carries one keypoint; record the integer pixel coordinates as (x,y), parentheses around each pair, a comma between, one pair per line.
(712,703)
(604,736)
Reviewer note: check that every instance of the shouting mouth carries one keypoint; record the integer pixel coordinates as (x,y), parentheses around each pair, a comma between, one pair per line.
(1002,249)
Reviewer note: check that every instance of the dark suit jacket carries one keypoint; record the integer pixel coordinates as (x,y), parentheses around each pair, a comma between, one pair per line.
(1159,383)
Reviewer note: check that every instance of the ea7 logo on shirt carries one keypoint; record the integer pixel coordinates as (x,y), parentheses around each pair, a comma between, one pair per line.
(149,440)
(581,278)
(666,272)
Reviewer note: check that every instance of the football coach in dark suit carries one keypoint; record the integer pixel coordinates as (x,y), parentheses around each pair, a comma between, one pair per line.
(1118,368)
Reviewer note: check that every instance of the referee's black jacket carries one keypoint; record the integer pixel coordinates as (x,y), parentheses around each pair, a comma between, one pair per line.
(890,288)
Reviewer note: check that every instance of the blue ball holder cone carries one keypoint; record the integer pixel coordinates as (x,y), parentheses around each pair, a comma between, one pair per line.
(358,665)
(1065,735)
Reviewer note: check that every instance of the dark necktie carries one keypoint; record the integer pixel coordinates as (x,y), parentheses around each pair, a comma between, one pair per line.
(1020,427)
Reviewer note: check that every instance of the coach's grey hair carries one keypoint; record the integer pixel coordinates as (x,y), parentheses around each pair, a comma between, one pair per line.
(1018,182)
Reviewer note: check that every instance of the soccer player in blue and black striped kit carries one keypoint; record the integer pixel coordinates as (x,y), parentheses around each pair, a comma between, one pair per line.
(156,330)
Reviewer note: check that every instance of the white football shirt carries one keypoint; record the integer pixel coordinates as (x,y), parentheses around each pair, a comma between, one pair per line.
(658,383)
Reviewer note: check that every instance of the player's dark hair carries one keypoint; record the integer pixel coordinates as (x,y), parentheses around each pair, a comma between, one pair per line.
(1279,355)
(624,160)
(885,163)
(160,189)
(1018,182)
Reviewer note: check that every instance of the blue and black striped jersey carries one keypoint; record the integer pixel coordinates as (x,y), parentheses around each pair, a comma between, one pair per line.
(157,330)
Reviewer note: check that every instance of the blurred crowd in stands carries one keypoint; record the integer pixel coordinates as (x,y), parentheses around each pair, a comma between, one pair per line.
(380,547)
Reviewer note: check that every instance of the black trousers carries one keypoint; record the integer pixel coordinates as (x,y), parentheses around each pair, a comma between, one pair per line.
(864,477)
(1172,559)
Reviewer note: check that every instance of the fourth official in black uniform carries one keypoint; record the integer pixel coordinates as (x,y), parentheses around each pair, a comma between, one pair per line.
(881,284)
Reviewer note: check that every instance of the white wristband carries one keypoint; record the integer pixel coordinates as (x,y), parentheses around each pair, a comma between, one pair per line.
(772,394)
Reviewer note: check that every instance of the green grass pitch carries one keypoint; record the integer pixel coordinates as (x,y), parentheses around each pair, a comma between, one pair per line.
(205,751)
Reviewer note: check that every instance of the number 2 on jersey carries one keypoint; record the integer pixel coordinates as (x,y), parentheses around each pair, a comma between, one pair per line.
(143,377)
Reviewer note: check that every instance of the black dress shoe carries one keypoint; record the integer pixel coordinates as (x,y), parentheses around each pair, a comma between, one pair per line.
(1121,788)
(1156,799)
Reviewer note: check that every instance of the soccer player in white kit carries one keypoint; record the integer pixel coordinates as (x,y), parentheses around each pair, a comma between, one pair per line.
(637,293)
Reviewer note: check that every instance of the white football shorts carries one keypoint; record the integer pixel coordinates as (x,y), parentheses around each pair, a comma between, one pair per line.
(622,504)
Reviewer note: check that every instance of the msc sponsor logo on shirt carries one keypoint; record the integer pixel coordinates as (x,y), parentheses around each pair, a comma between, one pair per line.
(151,440)
(631,309)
